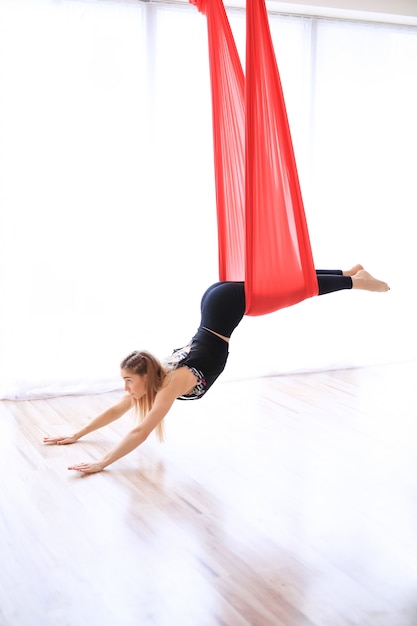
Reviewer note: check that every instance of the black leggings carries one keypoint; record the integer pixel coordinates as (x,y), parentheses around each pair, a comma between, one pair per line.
(223,304)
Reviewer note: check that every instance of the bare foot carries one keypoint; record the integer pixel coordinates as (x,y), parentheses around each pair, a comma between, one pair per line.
(354,270)
(364,280)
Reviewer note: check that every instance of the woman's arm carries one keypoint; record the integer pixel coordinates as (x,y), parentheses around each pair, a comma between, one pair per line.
(109,416)
(134,438)
(178,384)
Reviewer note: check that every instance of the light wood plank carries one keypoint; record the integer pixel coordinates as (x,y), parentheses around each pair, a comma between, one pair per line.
(285,501)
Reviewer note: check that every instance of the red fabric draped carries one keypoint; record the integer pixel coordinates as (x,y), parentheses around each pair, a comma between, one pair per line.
(262,229)
(228,109)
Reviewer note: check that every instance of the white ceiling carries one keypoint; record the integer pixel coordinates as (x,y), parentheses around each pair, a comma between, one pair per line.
(392,11)
(398,11)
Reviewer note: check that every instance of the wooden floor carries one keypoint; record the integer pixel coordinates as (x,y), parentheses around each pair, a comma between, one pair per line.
(288,501)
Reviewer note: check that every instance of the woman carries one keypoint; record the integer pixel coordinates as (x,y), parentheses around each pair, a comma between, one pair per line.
(191,371)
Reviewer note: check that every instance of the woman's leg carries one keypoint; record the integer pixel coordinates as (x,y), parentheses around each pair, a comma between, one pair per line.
(355,278)
(363,280)
(207,293)
(332,281)
(223,306)
(351,272)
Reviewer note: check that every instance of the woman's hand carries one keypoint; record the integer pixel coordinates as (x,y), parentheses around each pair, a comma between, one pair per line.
(88,468)
(61,440)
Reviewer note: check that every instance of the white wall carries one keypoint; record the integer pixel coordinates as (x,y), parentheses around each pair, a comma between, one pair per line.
(107,190)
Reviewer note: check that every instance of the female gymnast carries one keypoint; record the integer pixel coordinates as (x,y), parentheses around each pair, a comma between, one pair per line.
(152,386)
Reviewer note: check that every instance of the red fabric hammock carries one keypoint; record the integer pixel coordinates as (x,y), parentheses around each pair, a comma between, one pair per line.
(262,229)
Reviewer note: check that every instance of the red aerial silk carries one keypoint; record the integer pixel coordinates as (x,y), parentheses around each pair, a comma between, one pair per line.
(262,229)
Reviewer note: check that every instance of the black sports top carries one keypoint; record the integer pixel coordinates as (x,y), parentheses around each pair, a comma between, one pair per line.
(206,356)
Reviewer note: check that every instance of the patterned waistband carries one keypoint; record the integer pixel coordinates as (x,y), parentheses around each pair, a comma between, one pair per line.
(200,388)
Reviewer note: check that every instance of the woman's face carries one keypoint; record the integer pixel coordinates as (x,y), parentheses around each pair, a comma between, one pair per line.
(135,385)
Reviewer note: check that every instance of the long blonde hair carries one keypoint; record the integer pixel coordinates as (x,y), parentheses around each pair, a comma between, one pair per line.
(142,362)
